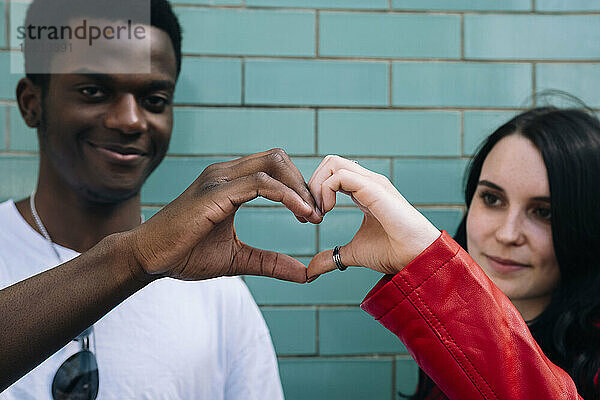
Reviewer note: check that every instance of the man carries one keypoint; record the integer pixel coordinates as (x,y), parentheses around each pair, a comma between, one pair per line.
(101,134)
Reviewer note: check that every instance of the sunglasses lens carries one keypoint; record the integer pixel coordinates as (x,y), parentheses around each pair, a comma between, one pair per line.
(77,378)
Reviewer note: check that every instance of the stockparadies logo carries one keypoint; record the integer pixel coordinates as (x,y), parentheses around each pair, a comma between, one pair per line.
(82,31)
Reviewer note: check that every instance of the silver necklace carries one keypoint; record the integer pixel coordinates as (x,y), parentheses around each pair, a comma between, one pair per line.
(41,226)
(85,335)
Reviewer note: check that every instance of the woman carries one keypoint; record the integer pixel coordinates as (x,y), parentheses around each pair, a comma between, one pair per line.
(531,228)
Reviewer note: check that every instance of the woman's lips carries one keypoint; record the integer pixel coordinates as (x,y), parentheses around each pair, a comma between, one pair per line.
(504,266)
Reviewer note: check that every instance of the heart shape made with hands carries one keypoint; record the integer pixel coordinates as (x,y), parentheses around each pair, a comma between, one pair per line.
(194,238)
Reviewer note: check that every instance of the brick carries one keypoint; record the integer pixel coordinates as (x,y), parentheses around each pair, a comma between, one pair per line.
(173,176)
(463,5)
(361,333)
(22,137)
(18,10)
(391,133)
(407,376)
(238,130)
(293,330)
(2,24)
(571,5)
(275,229)
(248,32)
(447,219)
(336,378)
(389,35)
(339,227)
(3,122)
(19,176)
(547,37)
(210,81)
(460,84)
(9,63)
(331,4)
(478,125)
(347,288)
(211,2)
(301,82)
(148,212)
(581,80)
(430,181)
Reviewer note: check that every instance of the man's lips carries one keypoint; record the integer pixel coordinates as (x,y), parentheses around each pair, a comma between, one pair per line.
(119,153)
(506,265)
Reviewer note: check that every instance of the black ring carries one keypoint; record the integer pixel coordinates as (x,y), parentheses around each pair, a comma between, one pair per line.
(337,259)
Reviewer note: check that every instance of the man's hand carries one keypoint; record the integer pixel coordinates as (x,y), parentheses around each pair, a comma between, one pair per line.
(193,237)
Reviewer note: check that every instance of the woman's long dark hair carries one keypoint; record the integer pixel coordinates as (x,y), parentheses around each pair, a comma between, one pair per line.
(568,330)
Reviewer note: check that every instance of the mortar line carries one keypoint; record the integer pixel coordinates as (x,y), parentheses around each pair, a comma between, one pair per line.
(6,128)
(534,84)
(462,133)
(462,37)
(390,84)
(317,33)
(243,83)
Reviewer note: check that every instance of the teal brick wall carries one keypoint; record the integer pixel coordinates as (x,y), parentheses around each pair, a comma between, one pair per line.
(407,87)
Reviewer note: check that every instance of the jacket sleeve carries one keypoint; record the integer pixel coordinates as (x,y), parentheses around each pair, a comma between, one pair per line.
(463,331)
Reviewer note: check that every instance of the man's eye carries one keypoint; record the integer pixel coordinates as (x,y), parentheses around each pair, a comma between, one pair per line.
(92,92)
(156,103)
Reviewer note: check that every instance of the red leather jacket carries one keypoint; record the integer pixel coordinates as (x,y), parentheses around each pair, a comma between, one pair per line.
(463,331)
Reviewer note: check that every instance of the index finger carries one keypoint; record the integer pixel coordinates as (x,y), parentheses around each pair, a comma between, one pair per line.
(328,167)
(278,165)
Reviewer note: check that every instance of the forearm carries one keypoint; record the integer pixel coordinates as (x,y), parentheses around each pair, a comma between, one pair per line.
(43,313)
(463,331)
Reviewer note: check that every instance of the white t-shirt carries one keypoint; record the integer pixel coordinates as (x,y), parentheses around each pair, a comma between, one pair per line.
(171,340)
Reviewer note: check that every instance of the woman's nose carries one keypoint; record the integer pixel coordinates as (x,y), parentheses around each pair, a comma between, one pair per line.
(510,230)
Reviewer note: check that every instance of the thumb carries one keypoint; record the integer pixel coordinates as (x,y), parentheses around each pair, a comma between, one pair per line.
(323,263)
(252,261)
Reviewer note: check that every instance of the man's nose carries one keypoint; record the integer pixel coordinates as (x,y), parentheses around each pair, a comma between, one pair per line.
(510,231)
(126,116)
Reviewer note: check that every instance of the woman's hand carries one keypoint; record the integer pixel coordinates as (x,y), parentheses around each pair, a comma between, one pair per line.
(392,233)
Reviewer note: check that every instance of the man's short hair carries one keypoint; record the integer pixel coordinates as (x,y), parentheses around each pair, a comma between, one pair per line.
(161,17)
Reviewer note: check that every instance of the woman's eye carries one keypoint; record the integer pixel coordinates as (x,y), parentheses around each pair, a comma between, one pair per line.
(490,199)
(543,213)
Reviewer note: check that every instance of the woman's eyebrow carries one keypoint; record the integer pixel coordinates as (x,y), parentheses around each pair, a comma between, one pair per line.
(498,188)
(490,185)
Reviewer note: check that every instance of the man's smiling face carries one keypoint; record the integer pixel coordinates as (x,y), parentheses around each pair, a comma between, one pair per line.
(103,133)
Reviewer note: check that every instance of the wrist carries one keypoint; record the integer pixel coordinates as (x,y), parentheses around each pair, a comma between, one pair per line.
(123,244)
(420,243)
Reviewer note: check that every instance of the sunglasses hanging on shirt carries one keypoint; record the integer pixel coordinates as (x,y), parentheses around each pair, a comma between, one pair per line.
(77,378)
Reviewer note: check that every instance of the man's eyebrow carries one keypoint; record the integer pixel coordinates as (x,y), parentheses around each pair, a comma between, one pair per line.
(105,78)
(498,188)
(162,85)
(159,84)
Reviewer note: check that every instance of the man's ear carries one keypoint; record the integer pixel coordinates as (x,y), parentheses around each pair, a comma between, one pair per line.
(29,97)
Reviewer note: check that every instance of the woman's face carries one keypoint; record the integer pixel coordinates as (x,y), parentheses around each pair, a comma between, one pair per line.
(508,225)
